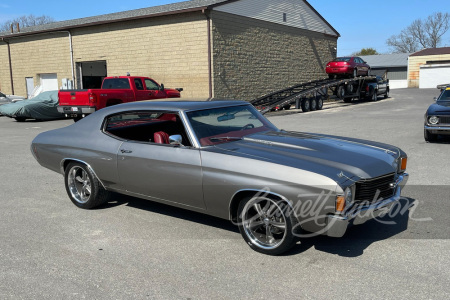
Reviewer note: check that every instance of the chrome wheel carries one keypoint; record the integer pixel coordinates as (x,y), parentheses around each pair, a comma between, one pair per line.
(79,184)
(264,222)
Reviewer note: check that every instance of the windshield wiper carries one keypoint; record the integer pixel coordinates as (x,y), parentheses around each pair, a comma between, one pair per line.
(225,138)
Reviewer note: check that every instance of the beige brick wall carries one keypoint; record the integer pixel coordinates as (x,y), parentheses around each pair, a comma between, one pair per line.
(414,64)
(172,50)
(252,58)
(31,56)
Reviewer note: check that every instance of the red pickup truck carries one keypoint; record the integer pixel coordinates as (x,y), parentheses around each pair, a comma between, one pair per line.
(115,90)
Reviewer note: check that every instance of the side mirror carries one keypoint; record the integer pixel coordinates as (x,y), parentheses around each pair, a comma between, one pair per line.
(176,140)
(161,87)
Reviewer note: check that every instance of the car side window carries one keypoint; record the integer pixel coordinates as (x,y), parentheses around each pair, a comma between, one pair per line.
(151,85)
(146,126)
(138,84)
(116,83)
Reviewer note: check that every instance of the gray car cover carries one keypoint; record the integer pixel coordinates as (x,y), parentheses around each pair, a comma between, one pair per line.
(42,107)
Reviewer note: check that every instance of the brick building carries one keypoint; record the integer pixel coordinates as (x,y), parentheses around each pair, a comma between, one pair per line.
(212,48)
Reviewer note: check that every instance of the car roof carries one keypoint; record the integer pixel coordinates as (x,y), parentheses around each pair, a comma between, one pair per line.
(174,104)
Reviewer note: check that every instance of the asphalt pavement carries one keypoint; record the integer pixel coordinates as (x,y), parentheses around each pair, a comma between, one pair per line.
(137,249)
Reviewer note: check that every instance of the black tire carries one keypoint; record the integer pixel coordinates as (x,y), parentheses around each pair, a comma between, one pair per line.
(340,92)
(374,95)
(313,104)
(319,101)
(83,187)
(77,118)
(387,93)
(306,105)
(20,119)
(429,137)
(266,224)
(287,107)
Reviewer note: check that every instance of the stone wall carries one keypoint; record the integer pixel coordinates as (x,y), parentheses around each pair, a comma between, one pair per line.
(252,58)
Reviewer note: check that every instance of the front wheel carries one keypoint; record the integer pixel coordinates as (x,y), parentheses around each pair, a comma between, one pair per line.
(83,187)
(266,224)
(387,94)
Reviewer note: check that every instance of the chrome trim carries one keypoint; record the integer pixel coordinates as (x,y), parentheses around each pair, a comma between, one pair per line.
(189,130)
(83,162)
(337,224)
(436,128)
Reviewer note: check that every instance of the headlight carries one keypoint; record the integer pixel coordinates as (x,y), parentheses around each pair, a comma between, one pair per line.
(348,195)
(433,120)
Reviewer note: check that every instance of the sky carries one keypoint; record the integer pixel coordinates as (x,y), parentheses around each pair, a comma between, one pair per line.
(361,24)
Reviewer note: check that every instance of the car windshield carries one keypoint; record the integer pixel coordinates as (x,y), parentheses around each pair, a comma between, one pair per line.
(445,95)
(227,124)
(342,59)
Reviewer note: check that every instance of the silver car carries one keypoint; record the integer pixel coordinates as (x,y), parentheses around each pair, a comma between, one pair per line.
(223,158)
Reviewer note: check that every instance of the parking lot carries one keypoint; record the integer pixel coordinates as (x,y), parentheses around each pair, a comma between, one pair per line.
(137,249)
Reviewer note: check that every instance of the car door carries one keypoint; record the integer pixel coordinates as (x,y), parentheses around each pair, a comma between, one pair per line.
(163,172)
(140,92)
(154,90)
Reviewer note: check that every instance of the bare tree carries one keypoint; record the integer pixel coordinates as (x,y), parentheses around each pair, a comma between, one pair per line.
(421,34)
(26,21)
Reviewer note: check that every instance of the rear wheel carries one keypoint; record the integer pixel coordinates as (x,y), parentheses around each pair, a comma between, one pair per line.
(313,104)
(340,93)
(266,224)
(387,93)
(306,105)
(319,101)
(83,187)
(429,137)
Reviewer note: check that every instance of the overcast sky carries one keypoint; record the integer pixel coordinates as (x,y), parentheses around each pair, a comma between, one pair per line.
(362,24)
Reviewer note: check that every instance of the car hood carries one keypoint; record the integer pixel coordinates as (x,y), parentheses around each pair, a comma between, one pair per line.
(341,159)
(440,107)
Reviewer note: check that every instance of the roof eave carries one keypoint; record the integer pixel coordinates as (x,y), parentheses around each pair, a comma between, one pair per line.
(65,28)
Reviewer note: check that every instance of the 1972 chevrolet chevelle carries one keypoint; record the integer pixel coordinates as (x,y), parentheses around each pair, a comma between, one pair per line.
(225,159)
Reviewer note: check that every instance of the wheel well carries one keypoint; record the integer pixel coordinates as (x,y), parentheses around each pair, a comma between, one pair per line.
(239,196)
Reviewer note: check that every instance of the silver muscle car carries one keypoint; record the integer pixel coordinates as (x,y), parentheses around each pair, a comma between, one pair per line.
(225,159)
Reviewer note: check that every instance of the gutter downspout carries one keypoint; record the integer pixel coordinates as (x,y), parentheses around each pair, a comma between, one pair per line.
(71,55)
(208,22)
(10,66)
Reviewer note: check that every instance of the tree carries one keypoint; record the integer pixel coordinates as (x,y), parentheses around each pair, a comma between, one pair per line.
(421,34)
(366,51)
(26,21)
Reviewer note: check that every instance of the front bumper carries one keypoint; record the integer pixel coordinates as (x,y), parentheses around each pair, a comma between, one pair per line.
(337,224)
(438,129)
(76,110)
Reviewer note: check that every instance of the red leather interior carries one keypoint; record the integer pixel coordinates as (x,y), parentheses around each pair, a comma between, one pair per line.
(161,137)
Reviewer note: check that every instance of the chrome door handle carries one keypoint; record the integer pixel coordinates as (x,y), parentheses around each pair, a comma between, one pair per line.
(125,151)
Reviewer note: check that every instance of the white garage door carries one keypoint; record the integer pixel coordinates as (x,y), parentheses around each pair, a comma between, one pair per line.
(49,82)
(432,75)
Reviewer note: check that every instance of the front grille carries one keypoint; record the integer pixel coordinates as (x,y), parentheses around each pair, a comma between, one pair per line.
(444,120)
(374,189)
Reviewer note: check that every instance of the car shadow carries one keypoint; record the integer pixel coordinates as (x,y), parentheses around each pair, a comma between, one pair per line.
(360,237)
(352,244)
(168,210)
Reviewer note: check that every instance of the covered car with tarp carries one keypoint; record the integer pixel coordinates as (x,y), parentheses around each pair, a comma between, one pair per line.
(42,107)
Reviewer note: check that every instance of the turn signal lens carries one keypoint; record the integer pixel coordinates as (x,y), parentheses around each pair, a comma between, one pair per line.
(404,161)
(340,203)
